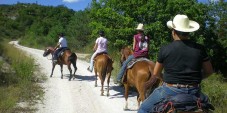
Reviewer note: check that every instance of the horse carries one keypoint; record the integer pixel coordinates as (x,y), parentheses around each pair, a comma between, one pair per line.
(102,67)
(136,76)
(67,58)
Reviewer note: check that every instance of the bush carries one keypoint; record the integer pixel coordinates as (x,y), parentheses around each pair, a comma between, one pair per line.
(216,89)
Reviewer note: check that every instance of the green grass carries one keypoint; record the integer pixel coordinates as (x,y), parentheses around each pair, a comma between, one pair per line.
(215,87)
(18,84)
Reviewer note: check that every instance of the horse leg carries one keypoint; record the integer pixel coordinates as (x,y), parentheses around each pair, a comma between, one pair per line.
(53,66)
(108,82)
(75,68)
(102,91)
(141,94)
(61,71)
(102,83)
(70,70)
(126,95)
(96,78)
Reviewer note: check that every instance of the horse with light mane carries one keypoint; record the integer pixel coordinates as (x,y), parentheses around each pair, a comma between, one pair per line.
(103,68)
(137,76)
(67,58)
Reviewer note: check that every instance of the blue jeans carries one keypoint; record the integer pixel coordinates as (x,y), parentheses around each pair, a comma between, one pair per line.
(123,67)
(55,57)
(163,92)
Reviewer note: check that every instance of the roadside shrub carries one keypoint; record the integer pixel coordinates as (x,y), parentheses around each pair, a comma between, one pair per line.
(17,82)
(216,89)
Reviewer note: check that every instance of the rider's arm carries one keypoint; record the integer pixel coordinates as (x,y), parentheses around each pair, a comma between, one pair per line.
(207,69)
(158,70)
(57,46)
(134,43)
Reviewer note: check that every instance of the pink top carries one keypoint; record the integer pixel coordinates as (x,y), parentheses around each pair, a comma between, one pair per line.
(102,44)
(141,48)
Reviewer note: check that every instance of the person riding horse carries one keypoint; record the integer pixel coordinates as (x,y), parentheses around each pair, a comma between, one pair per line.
(99,47)
(61,45)
(140,49)
(183,61)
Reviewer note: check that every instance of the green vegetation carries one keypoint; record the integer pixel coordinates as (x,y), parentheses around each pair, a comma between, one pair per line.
(216,89)
(37,26)
(17,81)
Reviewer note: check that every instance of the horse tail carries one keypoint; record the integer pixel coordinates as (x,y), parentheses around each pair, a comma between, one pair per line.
(150,74)
(72,59)
(150,88)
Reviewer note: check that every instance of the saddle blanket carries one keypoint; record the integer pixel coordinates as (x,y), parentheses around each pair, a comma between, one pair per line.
(133,61)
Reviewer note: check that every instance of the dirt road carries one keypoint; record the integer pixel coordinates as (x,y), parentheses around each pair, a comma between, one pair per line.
(79,95)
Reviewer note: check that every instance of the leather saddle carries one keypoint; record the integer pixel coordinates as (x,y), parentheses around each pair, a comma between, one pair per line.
(133,61)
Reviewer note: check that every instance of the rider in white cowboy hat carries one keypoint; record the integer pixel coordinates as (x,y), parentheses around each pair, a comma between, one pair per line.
(140,49)
(182,61)
(140,27)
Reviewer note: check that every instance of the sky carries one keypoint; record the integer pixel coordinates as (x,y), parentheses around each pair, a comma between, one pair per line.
(76,5)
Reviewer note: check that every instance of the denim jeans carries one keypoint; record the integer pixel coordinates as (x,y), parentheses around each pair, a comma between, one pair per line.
(55,57)
(123,67)
(163,92)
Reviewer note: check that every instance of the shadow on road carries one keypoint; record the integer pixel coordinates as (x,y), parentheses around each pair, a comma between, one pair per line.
(120,92)
(81,77)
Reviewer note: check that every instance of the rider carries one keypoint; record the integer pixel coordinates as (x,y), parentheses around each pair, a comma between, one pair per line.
(140,49)
(100,47)
(62,43)
(182,61)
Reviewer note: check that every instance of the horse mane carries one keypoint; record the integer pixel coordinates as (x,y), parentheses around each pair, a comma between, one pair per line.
(51,48)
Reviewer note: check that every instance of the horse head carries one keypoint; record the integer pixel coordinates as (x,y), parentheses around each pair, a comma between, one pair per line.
(125,52)
(47,51)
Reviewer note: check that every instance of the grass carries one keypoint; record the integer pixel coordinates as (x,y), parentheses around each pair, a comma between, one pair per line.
(215,87)
(18,83)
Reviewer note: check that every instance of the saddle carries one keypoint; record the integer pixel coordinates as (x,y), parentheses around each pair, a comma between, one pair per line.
(62,52)
(133,61)
(100,54)
(183,103)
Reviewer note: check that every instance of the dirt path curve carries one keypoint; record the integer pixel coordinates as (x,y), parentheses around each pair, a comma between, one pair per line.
(78,95)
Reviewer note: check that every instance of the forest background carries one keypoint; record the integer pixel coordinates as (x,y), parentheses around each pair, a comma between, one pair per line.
(38,27)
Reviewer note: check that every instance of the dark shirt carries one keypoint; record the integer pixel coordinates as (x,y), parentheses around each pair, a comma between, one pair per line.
(182,61)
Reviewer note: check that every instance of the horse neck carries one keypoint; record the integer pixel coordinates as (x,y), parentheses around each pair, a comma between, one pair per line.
(128,52)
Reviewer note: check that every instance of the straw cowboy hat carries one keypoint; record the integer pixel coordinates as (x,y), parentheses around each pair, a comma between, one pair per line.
(140,27)
(183,24)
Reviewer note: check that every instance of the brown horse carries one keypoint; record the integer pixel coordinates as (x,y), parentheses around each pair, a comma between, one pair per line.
(136,76)
(67,58)
(102,67)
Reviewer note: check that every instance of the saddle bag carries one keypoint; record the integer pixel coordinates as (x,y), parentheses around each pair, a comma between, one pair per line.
(183,102)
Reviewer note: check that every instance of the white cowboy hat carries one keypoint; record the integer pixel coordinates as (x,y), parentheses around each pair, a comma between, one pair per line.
(140,27)
(183,24)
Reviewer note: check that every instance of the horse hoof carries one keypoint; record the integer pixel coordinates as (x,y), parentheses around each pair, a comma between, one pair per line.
(96,85)
(107,94)
(102,94)
(125,109)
